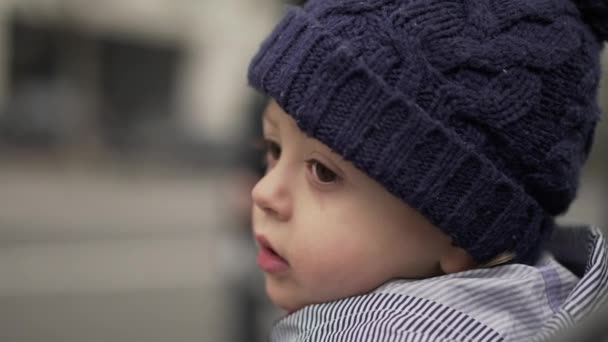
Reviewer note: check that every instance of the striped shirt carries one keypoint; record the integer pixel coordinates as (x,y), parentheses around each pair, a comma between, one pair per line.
(512,302)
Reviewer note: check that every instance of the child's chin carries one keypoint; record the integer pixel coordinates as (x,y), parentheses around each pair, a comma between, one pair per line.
(281,300)
(287,307)
(292,306)
(289,311)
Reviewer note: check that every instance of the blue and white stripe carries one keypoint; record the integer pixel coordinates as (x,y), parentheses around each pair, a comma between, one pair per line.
(505,303)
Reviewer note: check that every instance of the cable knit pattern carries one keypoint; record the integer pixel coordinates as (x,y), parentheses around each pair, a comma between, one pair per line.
(478,113)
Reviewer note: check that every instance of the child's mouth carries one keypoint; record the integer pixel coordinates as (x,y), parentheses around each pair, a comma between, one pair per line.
(272,252)
(268,259)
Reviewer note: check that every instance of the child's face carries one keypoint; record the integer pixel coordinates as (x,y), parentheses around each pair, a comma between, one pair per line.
(337,231)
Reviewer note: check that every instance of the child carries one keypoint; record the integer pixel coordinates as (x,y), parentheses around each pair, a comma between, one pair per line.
(418,153)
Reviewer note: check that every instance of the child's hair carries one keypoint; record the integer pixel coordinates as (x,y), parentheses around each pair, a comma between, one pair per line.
(479,114)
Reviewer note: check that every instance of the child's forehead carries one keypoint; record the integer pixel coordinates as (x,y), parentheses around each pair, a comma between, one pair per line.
(270,121)
(273,113)
(277,120)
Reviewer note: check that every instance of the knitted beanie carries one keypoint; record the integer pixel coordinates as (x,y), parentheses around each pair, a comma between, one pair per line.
(477,113)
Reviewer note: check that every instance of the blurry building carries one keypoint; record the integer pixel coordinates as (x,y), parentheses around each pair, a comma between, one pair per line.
(121,127)
(120,74)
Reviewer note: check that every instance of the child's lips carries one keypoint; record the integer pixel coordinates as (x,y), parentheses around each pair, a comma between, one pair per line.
(271,262)
(268,259)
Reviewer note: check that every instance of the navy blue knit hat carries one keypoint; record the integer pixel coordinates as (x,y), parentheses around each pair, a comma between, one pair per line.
(478,113)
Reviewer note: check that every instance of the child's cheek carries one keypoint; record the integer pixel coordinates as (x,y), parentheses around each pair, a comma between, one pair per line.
(333,272)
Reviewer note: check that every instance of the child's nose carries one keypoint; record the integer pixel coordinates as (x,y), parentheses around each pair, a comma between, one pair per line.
(271,194)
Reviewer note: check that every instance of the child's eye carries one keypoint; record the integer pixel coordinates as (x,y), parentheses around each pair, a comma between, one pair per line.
(322,173)
(273,151)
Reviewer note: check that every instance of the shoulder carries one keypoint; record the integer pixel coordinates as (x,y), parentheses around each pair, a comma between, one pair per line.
(503,303)
(512,300)
(382,316)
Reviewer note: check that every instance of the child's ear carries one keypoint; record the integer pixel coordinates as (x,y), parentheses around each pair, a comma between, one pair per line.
(455,259)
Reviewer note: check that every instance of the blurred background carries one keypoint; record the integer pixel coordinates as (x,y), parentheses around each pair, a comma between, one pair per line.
(126,160)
